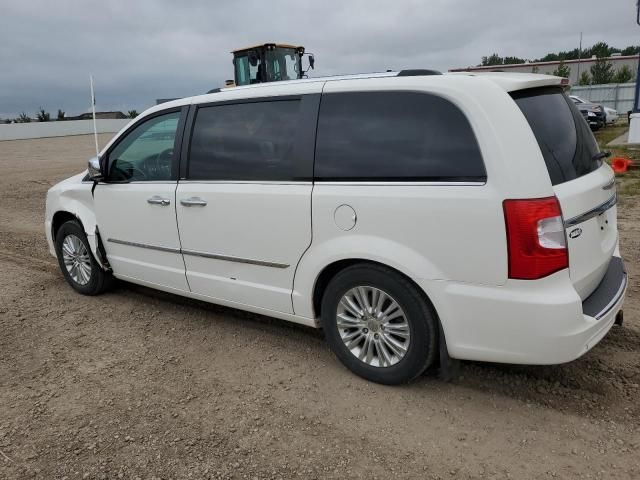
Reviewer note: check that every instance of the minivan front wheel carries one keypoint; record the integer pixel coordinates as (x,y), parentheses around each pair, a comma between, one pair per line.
(379,324)
(76,261)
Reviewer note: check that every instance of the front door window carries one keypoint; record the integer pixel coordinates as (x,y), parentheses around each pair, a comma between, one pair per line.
(146,153)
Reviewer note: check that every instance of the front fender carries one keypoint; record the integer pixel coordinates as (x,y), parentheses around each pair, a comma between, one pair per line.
(319,256)
(73,196)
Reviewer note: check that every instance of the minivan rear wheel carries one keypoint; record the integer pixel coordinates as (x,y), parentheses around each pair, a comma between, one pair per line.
(379,324)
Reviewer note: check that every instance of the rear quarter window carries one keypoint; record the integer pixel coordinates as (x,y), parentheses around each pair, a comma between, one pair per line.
(395,136)
(564,138)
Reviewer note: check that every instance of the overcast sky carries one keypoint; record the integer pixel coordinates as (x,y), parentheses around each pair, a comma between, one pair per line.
(140,50)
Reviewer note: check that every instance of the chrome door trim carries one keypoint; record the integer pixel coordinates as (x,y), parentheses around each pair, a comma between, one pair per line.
(399,183)
(594,212)
(243,182)
(144,245)
(230,258)
(195,253)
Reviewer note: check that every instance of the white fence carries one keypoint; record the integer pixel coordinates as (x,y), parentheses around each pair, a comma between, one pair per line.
(19,131)
(615,95)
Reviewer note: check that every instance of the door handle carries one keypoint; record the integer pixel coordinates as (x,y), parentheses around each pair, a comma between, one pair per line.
(158,200)
(193,202)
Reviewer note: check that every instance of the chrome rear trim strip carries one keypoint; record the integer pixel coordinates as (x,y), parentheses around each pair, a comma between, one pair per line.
(594,212)
(195,253)
(144,245)
(610,185)
(229,258)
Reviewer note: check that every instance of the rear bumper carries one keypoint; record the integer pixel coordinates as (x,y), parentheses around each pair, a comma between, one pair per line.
(609,291)
(541,322)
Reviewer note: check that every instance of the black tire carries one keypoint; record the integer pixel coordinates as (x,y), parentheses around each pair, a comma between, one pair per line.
(422,348)
(99,280)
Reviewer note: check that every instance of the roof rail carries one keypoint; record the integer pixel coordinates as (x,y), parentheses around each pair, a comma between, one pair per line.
(417,72)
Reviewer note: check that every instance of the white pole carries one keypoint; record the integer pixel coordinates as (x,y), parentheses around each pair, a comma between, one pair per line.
(93,109)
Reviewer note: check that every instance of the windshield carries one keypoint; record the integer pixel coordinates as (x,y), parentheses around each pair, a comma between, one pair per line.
(282,64)
(258,65)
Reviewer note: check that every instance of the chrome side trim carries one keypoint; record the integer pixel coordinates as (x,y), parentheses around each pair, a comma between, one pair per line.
(401,184)
(594,212)
(230,258)
(327,182)
(144,245)
(196,253)
(614,300)
(243,182)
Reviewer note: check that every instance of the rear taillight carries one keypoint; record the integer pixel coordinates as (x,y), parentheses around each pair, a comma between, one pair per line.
(535,237)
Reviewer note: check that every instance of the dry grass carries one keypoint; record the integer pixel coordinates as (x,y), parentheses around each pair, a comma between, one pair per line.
(610,133)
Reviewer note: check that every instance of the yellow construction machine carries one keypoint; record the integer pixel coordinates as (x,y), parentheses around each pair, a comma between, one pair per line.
(269,62)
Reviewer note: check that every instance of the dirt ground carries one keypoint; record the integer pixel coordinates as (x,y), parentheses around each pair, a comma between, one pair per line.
(142,384)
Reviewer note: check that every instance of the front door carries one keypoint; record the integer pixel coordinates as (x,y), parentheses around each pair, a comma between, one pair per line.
(135,208)
(244,207)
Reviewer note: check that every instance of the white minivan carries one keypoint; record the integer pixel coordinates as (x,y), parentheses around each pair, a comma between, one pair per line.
(412,216)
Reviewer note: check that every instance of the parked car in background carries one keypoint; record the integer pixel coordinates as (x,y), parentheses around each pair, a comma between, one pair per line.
(589,116)
(598,119)
(411,216)
(611,115)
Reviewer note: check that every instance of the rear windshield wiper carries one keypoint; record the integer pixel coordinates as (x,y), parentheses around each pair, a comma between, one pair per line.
(601,155)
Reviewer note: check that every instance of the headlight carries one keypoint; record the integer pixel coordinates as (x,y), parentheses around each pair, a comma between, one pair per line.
(591,114)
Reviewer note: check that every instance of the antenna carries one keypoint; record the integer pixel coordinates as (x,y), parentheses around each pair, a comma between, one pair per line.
(93,109)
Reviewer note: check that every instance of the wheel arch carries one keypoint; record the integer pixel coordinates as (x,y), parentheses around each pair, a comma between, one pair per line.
(331,270)
(76,211)
(60,217)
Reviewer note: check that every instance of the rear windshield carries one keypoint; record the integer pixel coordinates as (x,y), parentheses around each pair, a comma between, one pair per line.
(565,139)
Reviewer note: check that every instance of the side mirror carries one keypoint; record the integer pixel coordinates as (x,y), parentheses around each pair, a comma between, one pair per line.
(95,172)
(312,61)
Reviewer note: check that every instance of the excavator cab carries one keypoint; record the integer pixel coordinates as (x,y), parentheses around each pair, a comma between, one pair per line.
(270,62)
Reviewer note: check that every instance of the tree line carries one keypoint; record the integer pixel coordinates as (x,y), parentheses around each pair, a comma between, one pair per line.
(600,73)
(44,116)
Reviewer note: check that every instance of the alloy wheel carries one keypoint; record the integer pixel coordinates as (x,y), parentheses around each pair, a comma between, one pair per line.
(373,326)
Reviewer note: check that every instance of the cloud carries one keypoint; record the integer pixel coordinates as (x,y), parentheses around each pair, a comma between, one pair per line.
(143,50)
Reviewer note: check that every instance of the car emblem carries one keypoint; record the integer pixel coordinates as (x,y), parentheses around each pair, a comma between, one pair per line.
(575,233)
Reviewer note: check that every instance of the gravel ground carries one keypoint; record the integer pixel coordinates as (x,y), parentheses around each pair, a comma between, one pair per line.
(142,384)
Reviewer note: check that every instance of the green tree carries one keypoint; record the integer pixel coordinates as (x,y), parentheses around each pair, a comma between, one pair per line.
(584,79)
(493,59)
(60,115)
(43,116)
(623,75)
(562,70)
(132,113)
(23,118)
(600,50)
(513,60)
(602,72)
(630,51)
